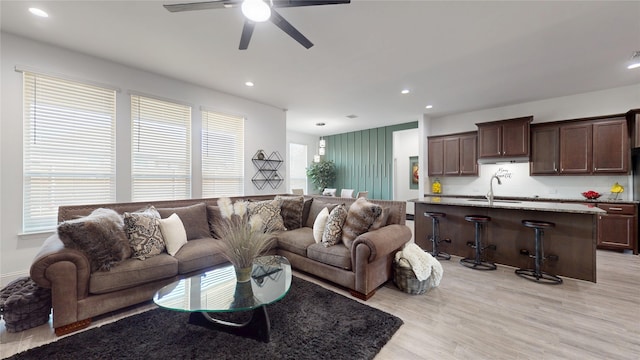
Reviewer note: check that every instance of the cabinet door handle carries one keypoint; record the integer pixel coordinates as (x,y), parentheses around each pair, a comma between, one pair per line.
(615,209)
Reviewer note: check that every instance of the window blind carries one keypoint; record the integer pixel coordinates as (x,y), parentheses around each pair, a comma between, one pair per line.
(161,149)
(68,147)
(222,155)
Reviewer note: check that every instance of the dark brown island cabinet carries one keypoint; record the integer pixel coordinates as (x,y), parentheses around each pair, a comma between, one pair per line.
(504,138)
(580,147)
(618,228)
(453,155)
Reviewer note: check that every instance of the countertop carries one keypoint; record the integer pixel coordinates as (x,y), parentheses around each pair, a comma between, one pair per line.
(602,199)
(566,207)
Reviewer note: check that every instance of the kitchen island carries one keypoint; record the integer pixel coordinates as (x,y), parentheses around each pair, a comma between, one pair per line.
(572,240)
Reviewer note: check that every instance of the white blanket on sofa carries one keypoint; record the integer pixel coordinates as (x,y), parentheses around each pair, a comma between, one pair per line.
(421,262)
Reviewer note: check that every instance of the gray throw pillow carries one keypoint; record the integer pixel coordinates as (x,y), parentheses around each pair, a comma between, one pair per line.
(291,211)
(316,207)
(194,219)
(100,236)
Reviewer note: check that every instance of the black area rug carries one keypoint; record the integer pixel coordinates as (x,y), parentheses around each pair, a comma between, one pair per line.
(309,323)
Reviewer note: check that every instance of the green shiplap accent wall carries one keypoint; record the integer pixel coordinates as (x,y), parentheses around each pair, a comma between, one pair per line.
(364,159)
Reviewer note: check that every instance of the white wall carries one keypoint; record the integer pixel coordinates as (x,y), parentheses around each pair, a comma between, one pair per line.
(606,102)
(265,128)
(405,145)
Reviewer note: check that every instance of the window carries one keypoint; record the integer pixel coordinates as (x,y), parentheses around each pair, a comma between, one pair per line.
(69,147)
(222,155)
(297,166)
(161,149)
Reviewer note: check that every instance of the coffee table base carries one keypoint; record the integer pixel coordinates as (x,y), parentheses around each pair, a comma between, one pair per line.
(258,327)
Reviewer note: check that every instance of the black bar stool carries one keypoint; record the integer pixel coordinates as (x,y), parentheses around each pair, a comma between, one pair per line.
(537,274)
(478,263)
(435,236)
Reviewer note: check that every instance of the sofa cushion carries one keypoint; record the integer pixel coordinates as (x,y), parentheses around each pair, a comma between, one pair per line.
(333,230)
(213,217)
(296,241)
(133,272)
(306,208)
(291,210)
(199,254)
(314,210)
(269,210)
(320,224)
(100,236)
(361,215)
(173,233)
(194,219)
(337,255)
(143,230)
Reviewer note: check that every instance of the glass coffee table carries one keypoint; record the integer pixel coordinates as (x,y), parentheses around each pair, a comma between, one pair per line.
(218,291)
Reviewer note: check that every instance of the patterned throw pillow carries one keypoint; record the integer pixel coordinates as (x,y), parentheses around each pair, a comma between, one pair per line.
(333,230)
(143,231)
(291,211)
(269,211)
(361,215)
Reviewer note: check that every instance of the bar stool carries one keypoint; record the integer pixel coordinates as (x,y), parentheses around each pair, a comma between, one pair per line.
(537,274)
(435,236)
(478,263)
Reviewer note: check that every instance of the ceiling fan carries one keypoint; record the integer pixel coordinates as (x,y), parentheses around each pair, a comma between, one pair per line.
(258,11)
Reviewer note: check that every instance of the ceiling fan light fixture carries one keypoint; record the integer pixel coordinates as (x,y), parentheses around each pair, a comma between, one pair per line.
(256,10)
(634,62)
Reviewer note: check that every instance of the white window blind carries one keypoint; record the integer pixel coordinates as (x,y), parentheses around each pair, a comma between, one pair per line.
(297,166)
(69,147)
(222,155)
(161,149)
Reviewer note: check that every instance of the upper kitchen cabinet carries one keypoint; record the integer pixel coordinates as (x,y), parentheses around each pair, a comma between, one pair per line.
(580,147)
(453,155)
(504,138)
(633,118)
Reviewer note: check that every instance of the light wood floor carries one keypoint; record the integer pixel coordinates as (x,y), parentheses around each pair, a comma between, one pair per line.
(488,315)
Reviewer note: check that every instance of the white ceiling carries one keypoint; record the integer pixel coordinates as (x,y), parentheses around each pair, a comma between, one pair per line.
(458,56)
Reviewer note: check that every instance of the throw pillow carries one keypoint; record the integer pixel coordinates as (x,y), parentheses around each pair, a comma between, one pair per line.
(194,219)
(173,233)
(381,220)
(333,230)
(361,215)
(100,236)
(291,211)
(320,224)
(143,230)
(306,208)
(316,207)
(269,211)
(213,217)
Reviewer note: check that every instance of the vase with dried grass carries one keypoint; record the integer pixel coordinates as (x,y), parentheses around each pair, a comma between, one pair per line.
(243,237)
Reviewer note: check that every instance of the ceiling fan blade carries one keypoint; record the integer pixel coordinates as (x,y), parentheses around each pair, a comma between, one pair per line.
(295,3)
(247,31)
(205,5)
(283,24)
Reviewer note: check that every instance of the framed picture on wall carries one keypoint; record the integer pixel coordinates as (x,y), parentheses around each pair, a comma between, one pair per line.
(414,168)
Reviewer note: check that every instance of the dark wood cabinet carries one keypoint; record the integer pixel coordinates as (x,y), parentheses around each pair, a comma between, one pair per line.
(504,138)
(610,146)
(453,155)
(580,147)
(435,156)
(633,120)
(575,148)
(617,228)
(545,149)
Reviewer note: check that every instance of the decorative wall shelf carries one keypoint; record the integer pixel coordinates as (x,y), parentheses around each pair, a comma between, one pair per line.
(267,169)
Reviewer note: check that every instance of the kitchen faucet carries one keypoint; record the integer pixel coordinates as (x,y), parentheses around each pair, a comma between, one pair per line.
(490,193)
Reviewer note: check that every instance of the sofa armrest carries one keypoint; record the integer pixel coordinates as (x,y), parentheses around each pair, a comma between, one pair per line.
(381,242)
(54,256)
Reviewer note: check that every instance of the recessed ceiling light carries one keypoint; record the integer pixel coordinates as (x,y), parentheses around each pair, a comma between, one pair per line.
(405,91)
(249,83)
(634,62)
(38,12)
(429,107)
(320,124)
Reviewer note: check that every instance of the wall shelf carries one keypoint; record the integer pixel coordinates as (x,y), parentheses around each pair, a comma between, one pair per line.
(268,170)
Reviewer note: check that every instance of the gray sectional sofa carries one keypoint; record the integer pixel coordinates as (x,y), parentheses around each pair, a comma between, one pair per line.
(78,293)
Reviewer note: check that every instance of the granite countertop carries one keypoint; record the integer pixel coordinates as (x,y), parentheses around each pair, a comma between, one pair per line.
(537,198)
(566,207)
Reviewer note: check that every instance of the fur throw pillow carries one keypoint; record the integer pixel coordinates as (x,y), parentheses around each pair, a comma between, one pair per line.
(100,236)
(360,217)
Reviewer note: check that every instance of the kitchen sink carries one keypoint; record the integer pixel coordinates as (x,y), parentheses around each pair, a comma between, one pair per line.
(495,201)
